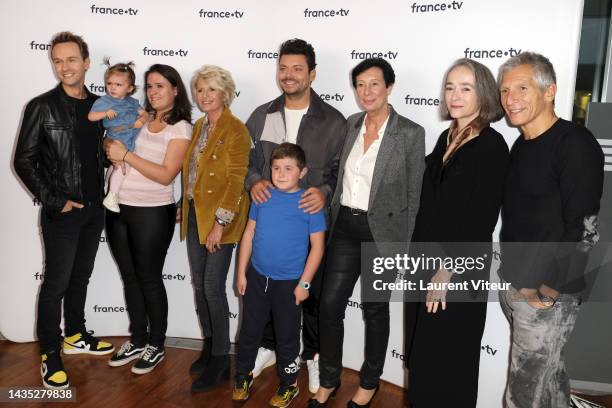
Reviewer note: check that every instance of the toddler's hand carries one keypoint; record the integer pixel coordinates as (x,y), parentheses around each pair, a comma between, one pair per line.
(111,114)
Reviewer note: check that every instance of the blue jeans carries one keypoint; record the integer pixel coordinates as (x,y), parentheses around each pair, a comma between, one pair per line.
(537,377)
(209,273)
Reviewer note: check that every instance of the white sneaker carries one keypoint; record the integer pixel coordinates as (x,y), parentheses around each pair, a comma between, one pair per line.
(265,358)
(313,374)
(111,202)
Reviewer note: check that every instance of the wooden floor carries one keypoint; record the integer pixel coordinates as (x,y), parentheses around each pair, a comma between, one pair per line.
(98,385)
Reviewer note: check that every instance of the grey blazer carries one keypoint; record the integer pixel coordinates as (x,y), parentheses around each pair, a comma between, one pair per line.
(397,179)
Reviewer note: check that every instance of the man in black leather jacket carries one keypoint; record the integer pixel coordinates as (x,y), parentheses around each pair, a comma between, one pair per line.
(59,159)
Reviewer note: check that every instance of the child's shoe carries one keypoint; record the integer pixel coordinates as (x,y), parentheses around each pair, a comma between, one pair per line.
(111,202)
(242,387)
(284,395)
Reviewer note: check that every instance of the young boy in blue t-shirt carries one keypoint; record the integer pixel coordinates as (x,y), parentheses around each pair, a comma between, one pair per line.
(276,241)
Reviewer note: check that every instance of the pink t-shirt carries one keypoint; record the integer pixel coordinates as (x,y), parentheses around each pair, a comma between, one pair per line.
(139,191)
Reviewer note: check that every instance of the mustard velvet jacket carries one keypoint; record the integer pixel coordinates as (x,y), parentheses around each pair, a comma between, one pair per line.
(219,183)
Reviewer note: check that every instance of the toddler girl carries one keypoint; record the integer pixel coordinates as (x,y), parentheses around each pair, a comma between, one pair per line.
(122,116)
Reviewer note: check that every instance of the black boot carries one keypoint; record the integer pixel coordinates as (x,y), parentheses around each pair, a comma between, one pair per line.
(216,371)
(198,366)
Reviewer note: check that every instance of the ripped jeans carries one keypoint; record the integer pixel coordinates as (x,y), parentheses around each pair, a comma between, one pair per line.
(537,376)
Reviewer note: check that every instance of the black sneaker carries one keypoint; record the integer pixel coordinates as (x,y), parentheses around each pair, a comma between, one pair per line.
(150,357)
(127,352)
(52,371)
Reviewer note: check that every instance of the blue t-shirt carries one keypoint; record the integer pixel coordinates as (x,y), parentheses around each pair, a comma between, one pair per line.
(282,235)
(119,128)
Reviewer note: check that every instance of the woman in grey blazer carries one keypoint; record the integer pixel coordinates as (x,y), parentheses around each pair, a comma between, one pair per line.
(376,200)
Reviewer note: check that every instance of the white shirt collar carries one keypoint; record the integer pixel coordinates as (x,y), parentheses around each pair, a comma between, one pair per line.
(381,131)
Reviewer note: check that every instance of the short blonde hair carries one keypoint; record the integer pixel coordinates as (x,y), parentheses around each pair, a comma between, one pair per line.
(219,78)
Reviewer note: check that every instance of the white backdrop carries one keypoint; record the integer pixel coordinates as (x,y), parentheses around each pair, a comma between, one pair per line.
(420,39)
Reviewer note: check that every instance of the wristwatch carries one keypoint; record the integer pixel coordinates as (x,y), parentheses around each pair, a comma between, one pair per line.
(305,285)
(221,222)
(547,301)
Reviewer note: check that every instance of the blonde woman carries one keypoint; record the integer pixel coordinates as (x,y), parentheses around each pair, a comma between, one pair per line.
(214,213)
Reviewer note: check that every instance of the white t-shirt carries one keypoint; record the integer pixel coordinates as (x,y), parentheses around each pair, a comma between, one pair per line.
(293,118)
(138,190)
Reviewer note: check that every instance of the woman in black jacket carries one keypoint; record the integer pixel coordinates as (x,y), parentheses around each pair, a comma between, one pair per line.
(460,202)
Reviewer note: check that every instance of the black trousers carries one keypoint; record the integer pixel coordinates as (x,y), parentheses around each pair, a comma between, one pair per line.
(71,242)
(310,319)
(266,298)
(342,271)
(139,238)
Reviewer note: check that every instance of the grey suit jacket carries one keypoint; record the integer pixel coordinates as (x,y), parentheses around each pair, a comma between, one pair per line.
(397,179)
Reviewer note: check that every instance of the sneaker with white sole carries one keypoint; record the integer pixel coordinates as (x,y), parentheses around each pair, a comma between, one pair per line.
(265,358)
(149,359)
(127,352)
(86,343)
(111,202)
(52,371)
(313,374)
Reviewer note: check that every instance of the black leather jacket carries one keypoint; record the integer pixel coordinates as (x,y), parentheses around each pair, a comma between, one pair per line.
(47,155)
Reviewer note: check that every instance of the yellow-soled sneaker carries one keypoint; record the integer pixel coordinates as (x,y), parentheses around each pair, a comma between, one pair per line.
(85,343)
(242,387)
(284,395)
(52,371)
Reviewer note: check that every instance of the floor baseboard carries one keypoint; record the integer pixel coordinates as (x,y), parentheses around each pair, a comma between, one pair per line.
(591,388)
